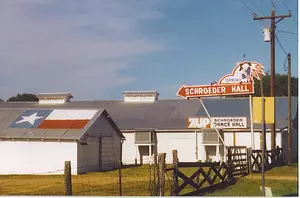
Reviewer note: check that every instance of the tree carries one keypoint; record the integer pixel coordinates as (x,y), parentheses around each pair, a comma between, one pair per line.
(281,85)
(23,97)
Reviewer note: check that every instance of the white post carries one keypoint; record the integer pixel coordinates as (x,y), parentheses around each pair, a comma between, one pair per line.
(214,128)
(196,147)
(218,153)
(251,122)
(150,154)
(137,152)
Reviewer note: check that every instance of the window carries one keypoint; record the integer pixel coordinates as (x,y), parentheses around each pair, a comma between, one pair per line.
(210,136)
(143,137)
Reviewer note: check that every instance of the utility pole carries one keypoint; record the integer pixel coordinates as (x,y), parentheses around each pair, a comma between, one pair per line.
(272,68)
(290,125)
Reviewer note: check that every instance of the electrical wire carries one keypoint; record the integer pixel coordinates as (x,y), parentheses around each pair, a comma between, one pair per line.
(253,13)
(249,8)
(286,5)
(284,63)
(272,2)
(257,7)
(281,45)
(280,30)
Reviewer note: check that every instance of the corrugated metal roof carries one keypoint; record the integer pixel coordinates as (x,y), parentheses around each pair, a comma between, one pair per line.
(7,116)
(165,113)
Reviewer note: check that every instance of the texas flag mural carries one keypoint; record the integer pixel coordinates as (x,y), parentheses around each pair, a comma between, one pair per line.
(54,119)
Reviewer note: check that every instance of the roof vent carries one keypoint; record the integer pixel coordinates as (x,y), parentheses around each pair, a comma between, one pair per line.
(140,96)
(54,98)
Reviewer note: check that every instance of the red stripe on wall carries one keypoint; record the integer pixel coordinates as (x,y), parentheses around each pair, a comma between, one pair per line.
(63,124)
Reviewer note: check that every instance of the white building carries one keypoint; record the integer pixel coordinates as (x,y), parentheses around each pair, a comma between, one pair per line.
(152,125)
(39,140)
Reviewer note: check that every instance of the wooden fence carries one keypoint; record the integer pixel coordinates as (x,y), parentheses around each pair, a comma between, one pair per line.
(272,158)
(238,157)
(241,161)
(215,175)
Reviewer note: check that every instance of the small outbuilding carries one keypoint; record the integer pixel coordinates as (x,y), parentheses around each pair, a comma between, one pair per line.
(39,140)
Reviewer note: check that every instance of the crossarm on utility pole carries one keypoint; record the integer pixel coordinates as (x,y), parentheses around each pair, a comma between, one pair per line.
(272,17)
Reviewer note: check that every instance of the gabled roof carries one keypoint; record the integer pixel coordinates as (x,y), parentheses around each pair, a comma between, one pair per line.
(167,114)
(10,115)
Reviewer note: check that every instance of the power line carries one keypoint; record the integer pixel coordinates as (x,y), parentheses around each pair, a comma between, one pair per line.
(281,45)
(285,3)
(284,63)
(273,4)
(280,30)
(257,7)
(249,8)
(253,13)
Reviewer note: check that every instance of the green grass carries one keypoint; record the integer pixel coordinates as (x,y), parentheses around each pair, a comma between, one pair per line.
(135,182)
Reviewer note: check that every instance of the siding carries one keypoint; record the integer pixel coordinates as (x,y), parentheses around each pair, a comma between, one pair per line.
(108,155)
(184,143)
(88,156)
(110,142)
(24,157)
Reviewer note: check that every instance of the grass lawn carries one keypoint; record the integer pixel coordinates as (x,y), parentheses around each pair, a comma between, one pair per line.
(135,182)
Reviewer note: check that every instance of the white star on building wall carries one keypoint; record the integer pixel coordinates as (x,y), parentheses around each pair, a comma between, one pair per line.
(31,119)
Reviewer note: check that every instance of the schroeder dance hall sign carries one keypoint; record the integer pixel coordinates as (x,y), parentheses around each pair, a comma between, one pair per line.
(239,82)
(218,122)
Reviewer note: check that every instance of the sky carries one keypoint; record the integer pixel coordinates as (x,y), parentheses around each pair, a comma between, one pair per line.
(96,49)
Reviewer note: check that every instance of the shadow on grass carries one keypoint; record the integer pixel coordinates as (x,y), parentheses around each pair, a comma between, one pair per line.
(291,195)
(131,166)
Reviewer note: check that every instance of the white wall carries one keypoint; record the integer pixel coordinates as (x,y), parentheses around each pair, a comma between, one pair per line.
(88,156)
(129,149)
(228,139)
(24,157)
(184,143)
(244,139)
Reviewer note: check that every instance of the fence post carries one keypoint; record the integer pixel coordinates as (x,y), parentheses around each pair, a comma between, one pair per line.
(175,177)
(120,177)
(161,173)
(68,178)
(249,152)
(229,157)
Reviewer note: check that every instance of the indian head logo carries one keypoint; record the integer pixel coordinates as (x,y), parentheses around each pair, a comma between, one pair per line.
(243,73)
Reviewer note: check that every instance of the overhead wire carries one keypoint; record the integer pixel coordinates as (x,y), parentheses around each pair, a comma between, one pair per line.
(284,63)
(286,5)
(251,10)
(274,5)
(280,30)
(281,45)
(257,7)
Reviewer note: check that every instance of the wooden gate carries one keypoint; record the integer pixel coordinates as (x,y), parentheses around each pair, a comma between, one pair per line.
(272,158)
(238,157)
(214,174)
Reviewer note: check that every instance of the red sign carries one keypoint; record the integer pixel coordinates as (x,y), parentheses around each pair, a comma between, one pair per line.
(215,90)
(239,82)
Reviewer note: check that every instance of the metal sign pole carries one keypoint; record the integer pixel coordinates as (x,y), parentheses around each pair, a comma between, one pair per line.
(263,146)
(251,123)
(214,127)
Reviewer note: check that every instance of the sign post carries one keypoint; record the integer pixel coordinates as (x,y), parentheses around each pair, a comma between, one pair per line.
(251,123)
(239,82)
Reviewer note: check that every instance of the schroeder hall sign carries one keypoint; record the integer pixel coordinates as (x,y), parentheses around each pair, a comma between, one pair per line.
(218,122)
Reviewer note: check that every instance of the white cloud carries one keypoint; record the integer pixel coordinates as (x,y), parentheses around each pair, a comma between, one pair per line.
(77,46)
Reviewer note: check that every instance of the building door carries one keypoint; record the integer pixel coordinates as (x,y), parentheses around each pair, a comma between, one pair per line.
(212,153)
(100,154)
